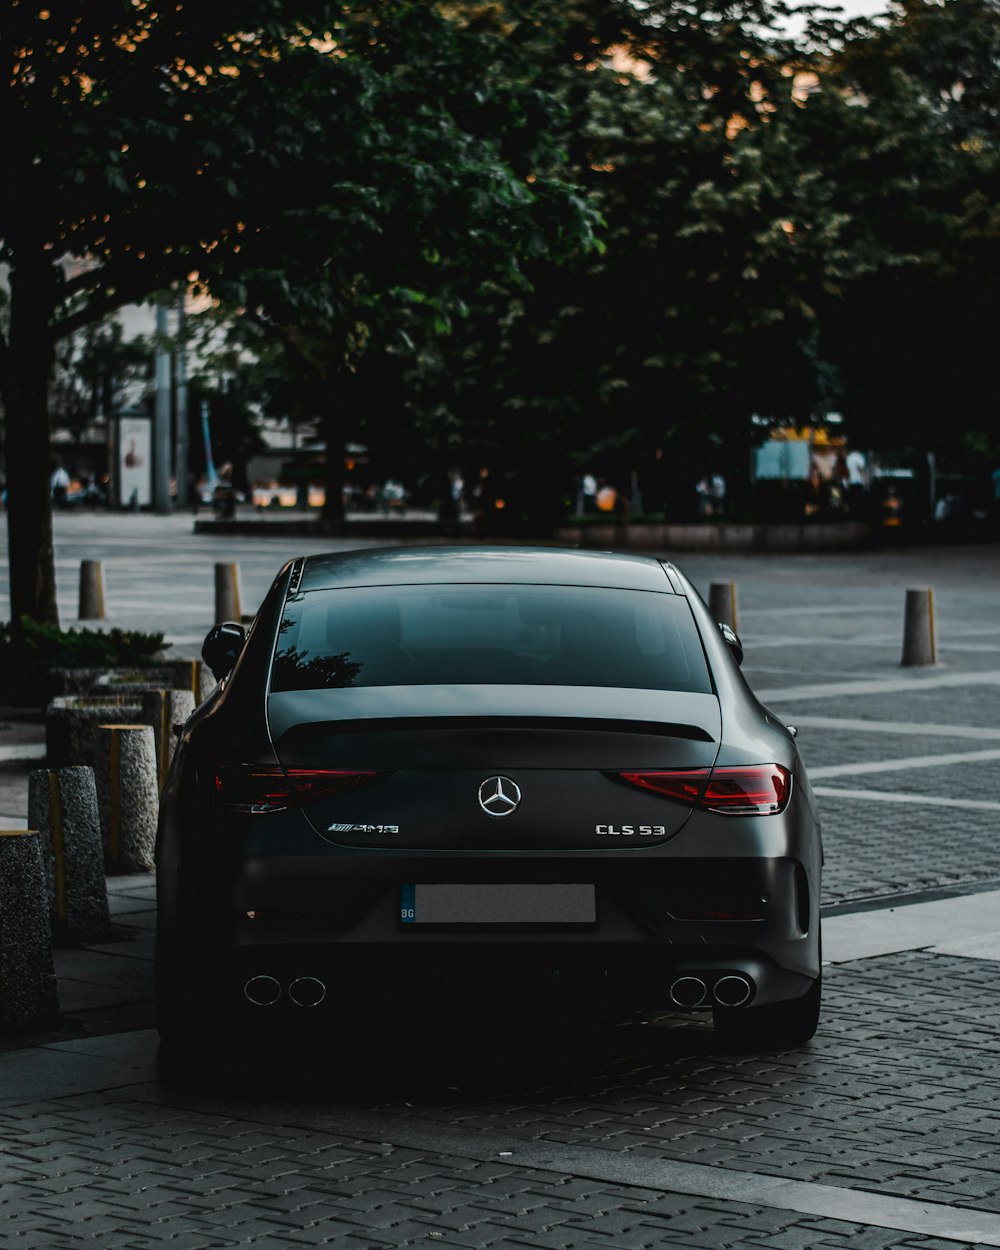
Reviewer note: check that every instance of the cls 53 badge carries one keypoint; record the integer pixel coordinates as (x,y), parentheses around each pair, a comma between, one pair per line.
(630,831)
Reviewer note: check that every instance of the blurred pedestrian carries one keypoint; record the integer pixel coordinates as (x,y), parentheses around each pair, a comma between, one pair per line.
(588,494)
(703,489)
(60,485)
(224,495)
(857,481)
(717,488)
(815,501)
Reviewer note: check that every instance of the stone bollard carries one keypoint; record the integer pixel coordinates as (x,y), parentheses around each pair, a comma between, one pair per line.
(722,604)
(27,975)
(128,796)
(163,709)
(193,675)
(227,593)
(919,644)
(91,591)
(62,806)
(71,723)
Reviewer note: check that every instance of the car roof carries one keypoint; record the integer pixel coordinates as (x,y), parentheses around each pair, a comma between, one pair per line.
(552,566)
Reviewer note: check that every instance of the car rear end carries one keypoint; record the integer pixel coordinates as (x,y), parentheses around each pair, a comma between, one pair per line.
(513,794)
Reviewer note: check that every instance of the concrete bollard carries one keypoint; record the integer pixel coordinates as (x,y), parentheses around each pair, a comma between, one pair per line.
(193,675)
(71,723)
(91,591)
(163,709)
(227,593)
(62,806)
(722,604)
(27,975)
(919,643)
(128,796)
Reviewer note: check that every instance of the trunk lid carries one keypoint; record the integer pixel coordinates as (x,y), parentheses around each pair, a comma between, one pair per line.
(440,748)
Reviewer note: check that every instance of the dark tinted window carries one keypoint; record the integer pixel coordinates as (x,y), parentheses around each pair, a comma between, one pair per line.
(488,634)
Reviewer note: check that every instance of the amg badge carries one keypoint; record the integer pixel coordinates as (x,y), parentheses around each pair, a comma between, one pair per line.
(362,828)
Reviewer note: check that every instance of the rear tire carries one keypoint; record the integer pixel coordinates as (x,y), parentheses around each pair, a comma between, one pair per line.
(774,1026)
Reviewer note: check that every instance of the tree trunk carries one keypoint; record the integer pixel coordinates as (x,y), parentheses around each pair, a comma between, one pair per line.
(24,378)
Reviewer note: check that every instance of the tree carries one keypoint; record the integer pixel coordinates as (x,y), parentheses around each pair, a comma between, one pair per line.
(682,125)
(790,229)
(318,165)
(907,128)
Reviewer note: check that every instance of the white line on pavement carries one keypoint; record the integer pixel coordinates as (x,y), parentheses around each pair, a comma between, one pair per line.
(23,751)
(840,609)
(884,685)
(895,796)
(630,1167)
(754,645)
(972,923)
(927,729)
(901,765)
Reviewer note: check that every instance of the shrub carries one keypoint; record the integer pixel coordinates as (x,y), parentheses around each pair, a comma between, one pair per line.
(26,664)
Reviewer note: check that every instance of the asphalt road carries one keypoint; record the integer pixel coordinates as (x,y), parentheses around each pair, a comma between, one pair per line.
(883,1132)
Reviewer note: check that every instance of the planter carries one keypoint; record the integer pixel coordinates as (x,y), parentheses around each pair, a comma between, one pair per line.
(71,724)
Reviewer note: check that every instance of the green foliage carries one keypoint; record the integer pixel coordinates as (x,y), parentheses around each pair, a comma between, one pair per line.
(789,229)
(330,170)
(699,309)
(913,164)
(530,236)
(26,664)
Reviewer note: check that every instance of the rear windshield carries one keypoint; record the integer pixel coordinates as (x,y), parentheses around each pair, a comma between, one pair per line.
(488,635)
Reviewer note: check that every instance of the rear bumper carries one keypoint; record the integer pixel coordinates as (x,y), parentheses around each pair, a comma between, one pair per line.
(656,921)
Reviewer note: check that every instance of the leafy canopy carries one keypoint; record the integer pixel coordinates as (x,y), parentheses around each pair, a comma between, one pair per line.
(305,158)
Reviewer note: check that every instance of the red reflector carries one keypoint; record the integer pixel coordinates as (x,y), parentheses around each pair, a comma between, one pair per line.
(260,788)
(744,790)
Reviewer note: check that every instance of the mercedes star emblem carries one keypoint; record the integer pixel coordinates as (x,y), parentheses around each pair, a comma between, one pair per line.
(499,796)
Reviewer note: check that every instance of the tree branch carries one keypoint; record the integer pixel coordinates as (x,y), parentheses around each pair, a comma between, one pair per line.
(274,331)
(111,296)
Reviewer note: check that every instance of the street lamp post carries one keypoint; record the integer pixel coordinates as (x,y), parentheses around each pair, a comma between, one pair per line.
(161,415)
(182,459)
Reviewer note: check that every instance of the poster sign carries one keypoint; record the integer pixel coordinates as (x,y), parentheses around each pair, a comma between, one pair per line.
(782,460)
(135,462)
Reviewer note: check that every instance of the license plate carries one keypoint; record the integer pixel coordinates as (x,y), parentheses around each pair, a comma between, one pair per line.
(545,903)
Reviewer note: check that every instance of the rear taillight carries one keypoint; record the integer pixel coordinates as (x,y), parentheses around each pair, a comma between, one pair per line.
(684,785)
(743,790)
(261,788)
(756,790)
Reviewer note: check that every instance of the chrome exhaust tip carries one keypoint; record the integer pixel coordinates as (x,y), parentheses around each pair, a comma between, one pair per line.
(262,991)
(307,991)
(688,992)
(732,991)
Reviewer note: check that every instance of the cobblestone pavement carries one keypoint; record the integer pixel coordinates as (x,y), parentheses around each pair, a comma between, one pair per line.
(883,1132)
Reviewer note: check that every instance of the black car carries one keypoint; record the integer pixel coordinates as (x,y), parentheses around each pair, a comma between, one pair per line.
(528,777)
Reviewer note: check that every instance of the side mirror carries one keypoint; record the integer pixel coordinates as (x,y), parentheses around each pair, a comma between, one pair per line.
(731,639)
(222,647)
